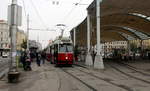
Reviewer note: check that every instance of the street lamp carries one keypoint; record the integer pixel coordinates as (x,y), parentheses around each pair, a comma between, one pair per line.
(55,2)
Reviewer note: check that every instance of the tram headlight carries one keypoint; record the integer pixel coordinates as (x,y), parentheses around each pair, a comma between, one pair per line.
(66,57)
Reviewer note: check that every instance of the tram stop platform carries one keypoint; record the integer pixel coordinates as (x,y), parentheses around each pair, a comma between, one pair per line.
(41,78)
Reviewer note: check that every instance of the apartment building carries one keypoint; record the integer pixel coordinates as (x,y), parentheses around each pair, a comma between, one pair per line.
(5,38)
(21,37)
(110,46)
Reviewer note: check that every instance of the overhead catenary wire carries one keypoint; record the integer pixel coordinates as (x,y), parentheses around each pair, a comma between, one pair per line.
(65,19)
(40,18)
(70,12)
(26,16)
(79,3)
(47,29)
(41,29)
(36,10)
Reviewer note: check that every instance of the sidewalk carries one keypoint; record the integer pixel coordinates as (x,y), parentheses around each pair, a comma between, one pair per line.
(43,78)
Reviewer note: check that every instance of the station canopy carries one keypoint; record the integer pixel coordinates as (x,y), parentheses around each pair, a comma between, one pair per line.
(121,20)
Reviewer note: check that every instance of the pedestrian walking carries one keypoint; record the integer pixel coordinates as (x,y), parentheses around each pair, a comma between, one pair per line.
(23,59)
(38,61)
(28,63)
(43,55)
(32,56)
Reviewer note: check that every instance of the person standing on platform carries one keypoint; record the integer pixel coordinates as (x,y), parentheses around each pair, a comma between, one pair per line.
(23,59)
(43,55)
(28,63)
(38,61)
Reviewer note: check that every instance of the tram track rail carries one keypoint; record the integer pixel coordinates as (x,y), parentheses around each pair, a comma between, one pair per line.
(132,68)
(60,84)
(89,86)
(129,75)
(105,79)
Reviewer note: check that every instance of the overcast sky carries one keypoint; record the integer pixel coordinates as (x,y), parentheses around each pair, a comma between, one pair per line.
(47,14)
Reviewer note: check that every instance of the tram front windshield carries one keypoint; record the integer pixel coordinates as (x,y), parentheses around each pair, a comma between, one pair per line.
(65,48)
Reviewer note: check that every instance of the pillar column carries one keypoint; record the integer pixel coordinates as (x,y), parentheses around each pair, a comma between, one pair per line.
(89,60)
(98,63)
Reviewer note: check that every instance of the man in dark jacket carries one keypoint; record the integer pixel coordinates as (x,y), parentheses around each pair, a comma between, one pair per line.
(23,59)
(43,56)
(38,61)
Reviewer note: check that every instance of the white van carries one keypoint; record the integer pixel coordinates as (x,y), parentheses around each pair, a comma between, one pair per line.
(5,55)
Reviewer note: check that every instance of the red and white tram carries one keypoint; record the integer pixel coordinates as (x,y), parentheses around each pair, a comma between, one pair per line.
(61,51)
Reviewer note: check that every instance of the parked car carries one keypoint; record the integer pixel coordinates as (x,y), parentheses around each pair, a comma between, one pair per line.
(137,54)
(4,55)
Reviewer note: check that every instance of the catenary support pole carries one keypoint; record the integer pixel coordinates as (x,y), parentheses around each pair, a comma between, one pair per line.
(98,63)
(13,65)
(28,32)
(89,60)
(13,73)
(13,30)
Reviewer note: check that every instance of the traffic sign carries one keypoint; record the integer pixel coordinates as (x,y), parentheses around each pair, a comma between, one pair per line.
(14,15)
